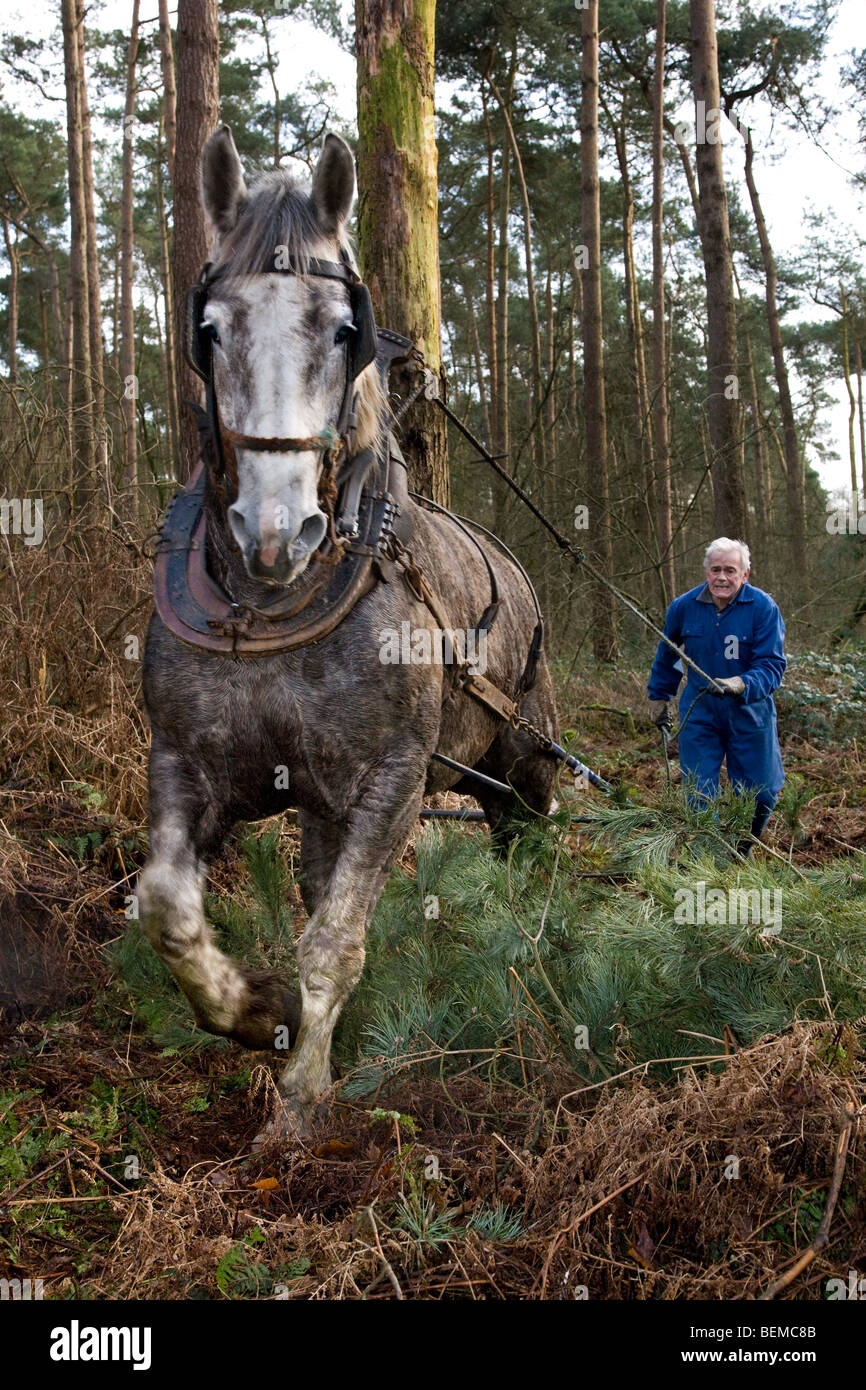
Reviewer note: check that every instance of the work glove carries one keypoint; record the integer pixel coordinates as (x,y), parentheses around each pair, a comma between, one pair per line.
(660,714)
(731,685)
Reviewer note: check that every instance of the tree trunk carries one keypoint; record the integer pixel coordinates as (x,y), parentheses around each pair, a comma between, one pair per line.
(860,416)
(198,113)
(534,329)
(604,639)
(659,382)
(724,409)
(490,278)
(80,401)
(94,291)
(852,404)
(169,96)
(398,205)
(12,299)
(502,441)
(170,354)
(644,482)
(127,313)
(795,479)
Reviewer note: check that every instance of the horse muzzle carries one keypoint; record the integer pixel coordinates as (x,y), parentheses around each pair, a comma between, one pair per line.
(276,554)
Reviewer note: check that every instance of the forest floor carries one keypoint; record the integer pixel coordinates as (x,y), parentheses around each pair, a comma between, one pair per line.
(495,1167)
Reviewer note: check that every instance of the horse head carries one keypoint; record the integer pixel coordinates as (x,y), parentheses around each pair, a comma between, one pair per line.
(285,330)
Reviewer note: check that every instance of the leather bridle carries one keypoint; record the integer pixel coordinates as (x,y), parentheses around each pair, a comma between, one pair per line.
(333,441)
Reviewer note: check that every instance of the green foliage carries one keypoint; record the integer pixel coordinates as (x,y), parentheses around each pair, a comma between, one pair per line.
(823,700)
(238,1276)
(18,1157)
(498,1224)
(430,1226)
(612,958)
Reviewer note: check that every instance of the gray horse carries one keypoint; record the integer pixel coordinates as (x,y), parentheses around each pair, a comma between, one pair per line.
(353,733)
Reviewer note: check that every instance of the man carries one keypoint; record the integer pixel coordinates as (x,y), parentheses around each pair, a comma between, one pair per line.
(735,633)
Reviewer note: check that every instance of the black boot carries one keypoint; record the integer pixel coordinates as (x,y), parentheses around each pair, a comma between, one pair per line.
(759,825)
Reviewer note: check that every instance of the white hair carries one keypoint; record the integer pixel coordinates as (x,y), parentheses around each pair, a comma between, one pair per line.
(725,543)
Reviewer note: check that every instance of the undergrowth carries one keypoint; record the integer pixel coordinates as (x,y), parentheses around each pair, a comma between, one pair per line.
(580,952)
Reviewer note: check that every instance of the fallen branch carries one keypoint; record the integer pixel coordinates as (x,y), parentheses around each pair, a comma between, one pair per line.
(823,1234)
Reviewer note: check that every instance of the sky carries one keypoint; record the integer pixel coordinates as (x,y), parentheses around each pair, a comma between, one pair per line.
(793,175)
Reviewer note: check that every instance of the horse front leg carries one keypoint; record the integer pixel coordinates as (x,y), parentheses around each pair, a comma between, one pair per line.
(331,950)
(227,997)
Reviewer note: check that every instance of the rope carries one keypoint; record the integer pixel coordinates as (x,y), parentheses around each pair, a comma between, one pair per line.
(570,550)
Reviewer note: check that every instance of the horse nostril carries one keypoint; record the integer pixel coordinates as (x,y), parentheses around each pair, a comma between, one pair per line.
(311,534)
(238,525)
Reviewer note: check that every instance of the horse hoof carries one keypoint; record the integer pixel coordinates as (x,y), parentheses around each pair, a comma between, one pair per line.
(290,1123)
(272,1016)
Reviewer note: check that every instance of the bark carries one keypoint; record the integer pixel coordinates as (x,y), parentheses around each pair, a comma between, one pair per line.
(852,404)
(604,626)
(550,366)
(641,440)
(724,410)
(796,482)
(659,377)
(502,441)
(862,421)
(534,329)
(80,401)
(127,313)
(13,256)
(758,435)
(94,291)
(46,358)
(170,354)
(198,112)
(398,206)
(169,96)
(272,74)
(490,278)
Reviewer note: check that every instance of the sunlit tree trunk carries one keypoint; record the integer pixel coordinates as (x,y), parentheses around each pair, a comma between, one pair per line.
(796,482)
(80,398)
(127,315)
(722,382)
(12,255)
(604,624)
(659,375)
(169,94)
(94,288)
(197,116)
(398,205)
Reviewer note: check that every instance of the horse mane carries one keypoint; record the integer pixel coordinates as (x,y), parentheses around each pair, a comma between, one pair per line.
(278,211)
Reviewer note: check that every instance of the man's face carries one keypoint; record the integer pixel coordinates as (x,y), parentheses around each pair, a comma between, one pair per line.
(725,575)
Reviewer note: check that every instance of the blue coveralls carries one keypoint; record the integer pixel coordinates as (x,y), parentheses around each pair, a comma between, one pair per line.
(746,639)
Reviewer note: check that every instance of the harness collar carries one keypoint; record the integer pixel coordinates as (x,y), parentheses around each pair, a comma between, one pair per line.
(372,496)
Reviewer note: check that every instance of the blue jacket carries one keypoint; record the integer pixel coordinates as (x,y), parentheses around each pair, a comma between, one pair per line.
(746,639)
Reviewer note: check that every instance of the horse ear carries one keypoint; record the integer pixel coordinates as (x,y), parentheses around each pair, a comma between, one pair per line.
(222,180)
(333,185)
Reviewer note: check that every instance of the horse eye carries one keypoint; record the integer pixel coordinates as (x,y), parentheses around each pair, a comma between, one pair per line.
(212,331)
(343,332)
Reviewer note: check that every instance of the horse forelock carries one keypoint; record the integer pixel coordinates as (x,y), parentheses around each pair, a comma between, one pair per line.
(278,212)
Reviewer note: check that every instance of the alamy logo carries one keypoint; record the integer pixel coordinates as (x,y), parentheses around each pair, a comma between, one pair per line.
(737,907)
(22,517)
(77,1343)
(846,514)
(838,1289)
(21,1290)
(424,646)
